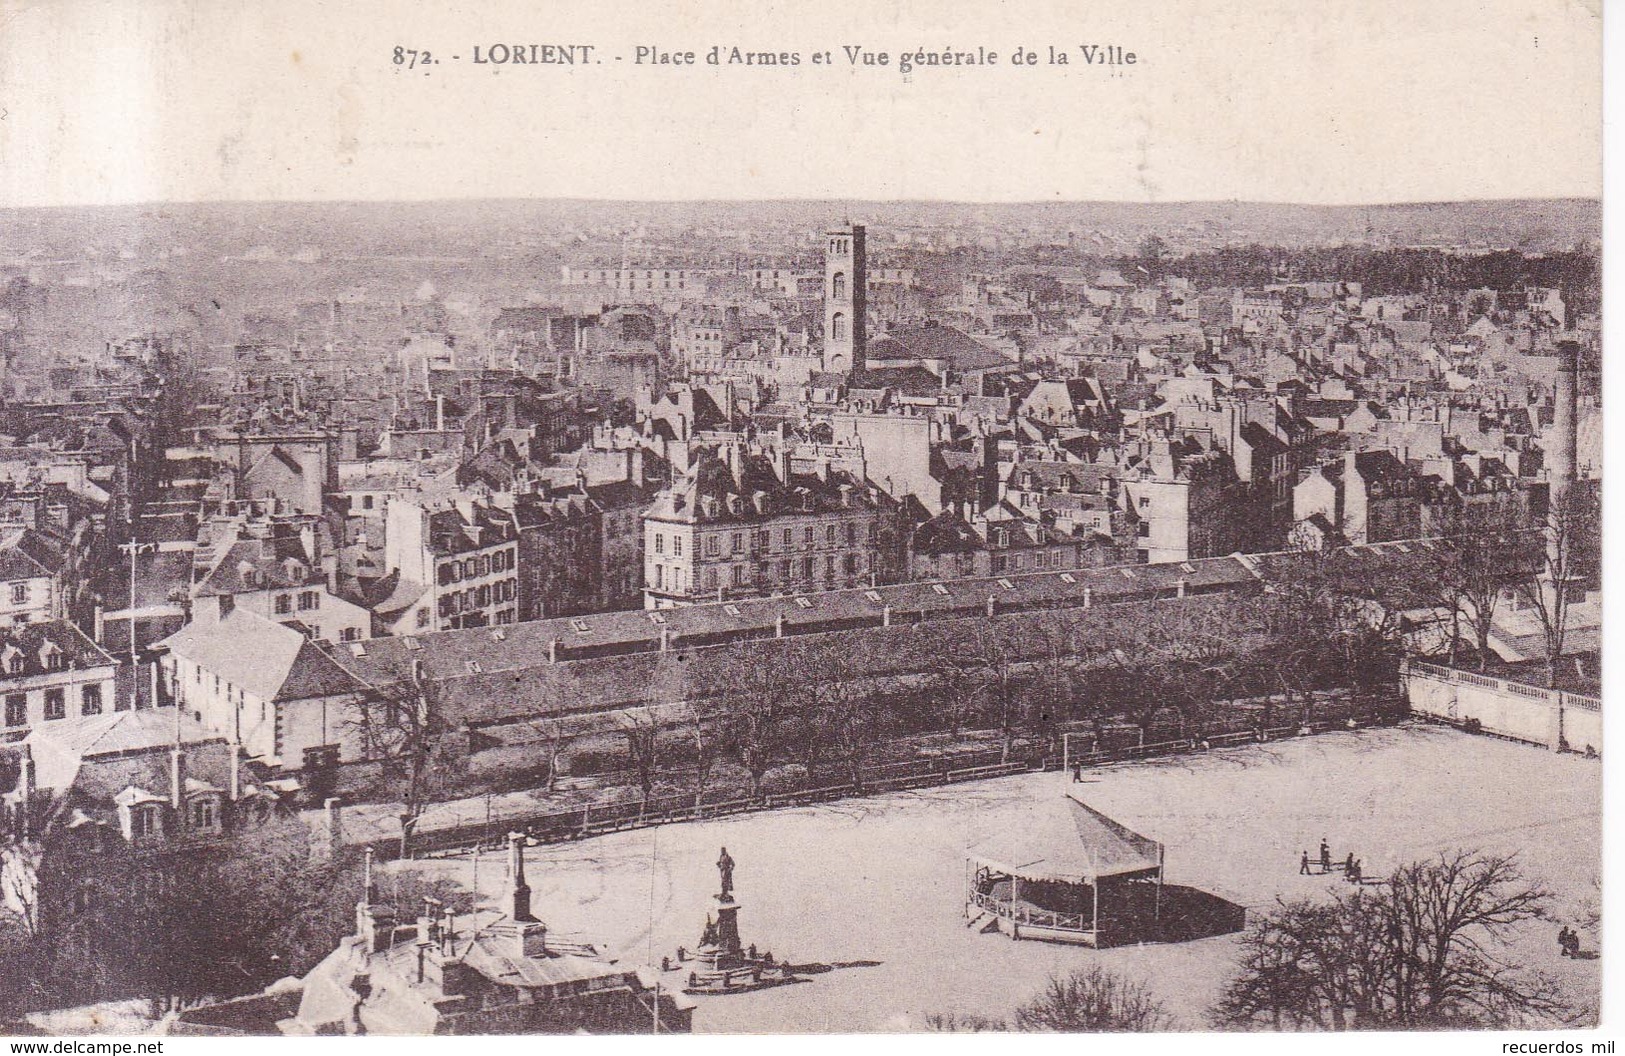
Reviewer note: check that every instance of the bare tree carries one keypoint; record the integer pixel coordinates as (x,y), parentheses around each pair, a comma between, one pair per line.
(553,741)
(701,721)
(641,731)
(754,699)
(850,712)
(1560,566)
(1086,1001)
(668,684)
(988,648)
(1422,950)
(1092,1000)
(404,725)
(1487,549)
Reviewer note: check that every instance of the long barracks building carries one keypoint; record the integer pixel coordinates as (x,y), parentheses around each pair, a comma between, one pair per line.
(595,663)
(508,687)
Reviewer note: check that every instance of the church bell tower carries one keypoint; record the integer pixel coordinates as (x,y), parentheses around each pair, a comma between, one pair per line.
(846,288)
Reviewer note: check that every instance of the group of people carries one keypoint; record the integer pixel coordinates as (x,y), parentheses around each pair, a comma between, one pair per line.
(1352,869)
(1568,942)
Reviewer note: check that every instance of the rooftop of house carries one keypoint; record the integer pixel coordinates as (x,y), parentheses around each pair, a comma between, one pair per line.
(269,660)
(26,553)
(745,488)
(42,647)
(945,344)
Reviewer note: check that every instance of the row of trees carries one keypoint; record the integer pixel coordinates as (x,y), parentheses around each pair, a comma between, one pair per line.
(1379,271)
(1170,668)
(1175,665)
(1501,555)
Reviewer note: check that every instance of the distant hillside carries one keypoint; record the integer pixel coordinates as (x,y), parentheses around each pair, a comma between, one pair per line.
(486,228)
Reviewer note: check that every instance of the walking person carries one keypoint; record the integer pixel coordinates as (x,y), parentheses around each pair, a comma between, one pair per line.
(1303,867)
(1325,856)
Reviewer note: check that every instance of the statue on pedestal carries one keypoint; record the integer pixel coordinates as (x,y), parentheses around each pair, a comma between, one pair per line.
(725,866)
(723,964)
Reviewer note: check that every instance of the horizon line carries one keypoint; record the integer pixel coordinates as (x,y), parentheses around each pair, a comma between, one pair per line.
(789,200)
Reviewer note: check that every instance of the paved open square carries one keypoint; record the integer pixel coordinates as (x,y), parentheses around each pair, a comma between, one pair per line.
(873,888)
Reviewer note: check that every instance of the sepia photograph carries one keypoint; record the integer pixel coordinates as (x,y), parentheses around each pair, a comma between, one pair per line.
(727,519)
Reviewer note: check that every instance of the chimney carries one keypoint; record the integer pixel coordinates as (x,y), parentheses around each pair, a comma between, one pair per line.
(1088,597)
(992,606)
(520,908)
(440,413)
(1179,587)
(885,616)
(778,626)
(553,651)
(531,939)
(177,778)
(665,639)
(236,782)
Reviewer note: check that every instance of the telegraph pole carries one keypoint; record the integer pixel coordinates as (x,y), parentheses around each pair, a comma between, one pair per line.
(134,549)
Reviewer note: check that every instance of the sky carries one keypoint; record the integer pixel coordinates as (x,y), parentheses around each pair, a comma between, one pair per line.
(1336,101)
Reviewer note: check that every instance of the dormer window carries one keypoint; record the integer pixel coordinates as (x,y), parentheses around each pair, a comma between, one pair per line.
(12,658)
(146,820)
(204,815)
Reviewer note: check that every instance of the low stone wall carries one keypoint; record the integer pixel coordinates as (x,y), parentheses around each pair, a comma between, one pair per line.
(1548,717)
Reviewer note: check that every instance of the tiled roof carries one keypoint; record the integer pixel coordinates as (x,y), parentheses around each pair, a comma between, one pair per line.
(267,659)
(499,652)
(26,643)
(946,343)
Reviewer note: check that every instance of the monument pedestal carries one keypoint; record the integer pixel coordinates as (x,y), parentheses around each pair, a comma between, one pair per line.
(723,964)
